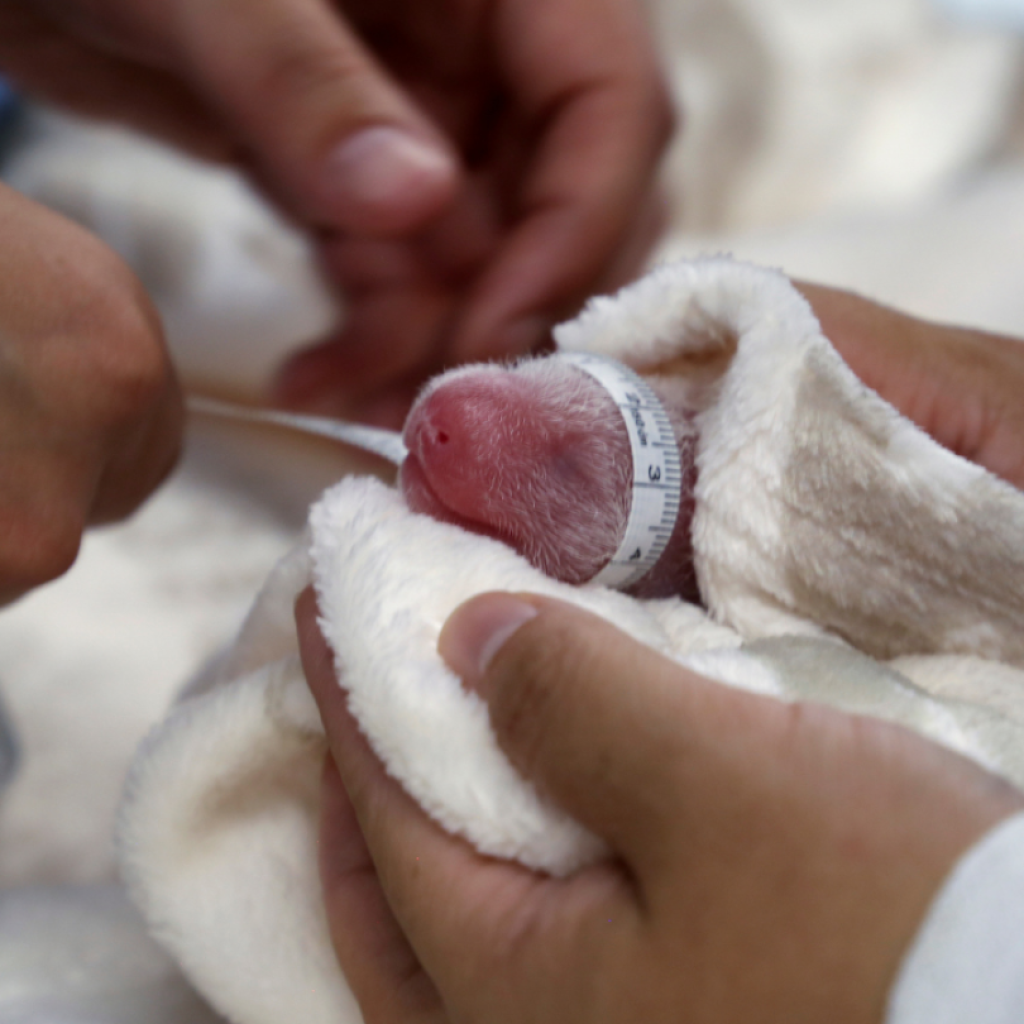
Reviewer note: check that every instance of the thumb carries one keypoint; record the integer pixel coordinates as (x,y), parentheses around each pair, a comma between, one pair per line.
(601,723)
(335,138)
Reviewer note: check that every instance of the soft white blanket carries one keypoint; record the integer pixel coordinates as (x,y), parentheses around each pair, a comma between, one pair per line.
(839,551)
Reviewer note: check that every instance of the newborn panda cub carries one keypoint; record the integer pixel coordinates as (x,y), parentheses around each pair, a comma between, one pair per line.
(537,455)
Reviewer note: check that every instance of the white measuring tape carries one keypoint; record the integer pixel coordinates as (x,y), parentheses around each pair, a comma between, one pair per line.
(657,472)
(388,444)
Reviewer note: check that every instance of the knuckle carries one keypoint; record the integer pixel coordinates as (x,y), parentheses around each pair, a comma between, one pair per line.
(517,930)
(518,710)
(532,683)
(37,550)
(126,362)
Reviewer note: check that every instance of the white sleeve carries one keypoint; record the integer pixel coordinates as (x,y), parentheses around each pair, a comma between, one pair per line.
(967,961)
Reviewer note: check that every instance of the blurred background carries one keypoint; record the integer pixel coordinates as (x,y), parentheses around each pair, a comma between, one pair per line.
(871,144)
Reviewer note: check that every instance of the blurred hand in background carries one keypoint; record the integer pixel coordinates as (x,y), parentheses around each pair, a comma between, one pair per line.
(90,412)
(472,170)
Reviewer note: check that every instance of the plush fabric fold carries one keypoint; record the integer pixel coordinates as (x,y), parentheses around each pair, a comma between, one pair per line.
(831,535)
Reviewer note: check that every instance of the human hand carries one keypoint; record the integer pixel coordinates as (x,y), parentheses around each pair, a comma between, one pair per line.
(770,861)
(474,169)
(90,413)
(962,387)
(559,115)
(558,111)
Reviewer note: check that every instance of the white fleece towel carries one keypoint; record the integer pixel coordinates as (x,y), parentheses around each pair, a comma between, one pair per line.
(829,533)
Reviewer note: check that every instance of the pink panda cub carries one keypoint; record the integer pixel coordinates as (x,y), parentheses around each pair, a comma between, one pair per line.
(537,455)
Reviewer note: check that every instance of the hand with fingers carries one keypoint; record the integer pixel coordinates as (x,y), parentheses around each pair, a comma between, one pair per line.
(473,169)
(558,117)
(769,862)
(90,412)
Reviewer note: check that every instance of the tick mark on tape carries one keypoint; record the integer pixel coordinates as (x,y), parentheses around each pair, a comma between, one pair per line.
(657,472)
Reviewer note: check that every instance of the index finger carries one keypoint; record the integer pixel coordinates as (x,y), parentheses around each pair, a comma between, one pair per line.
(331,132)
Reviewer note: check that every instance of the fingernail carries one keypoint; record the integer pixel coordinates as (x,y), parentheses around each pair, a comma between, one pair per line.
(386,178)
(476,631)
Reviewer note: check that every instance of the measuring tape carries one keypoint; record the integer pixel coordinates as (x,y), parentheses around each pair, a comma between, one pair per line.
(657,473)
(388,444)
